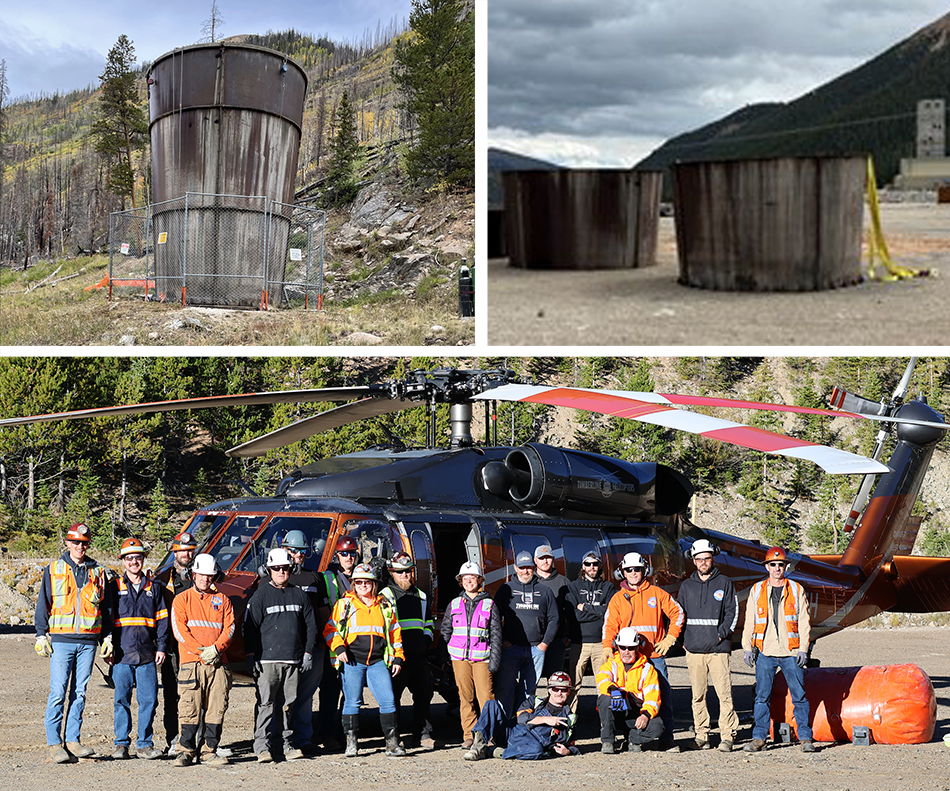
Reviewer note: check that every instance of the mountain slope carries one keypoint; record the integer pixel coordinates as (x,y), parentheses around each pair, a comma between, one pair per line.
(869,109)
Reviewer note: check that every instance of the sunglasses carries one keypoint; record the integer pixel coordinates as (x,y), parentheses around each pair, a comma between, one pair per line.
(591,562)
(348,553)
(634,568)
(775,564)
(560,689)
(626,648)
(401,571)
(280,568)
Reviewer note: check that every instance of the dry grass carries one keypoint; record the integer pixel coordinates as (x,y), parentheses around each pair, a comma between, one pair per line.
(66,315)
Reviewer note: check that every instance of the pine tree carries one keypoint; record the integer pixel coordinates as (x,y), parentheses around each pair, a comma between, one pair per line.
(344,149)
(435,69)
(120,128)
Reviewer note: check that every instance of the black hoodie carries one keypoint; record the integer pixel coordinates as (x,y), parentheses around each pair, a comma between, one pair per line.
(711,609)
(528,612)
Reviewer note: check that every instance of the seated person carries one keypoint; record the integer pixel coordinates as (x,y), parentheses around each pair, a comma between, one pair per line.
(541,729)
(628,695)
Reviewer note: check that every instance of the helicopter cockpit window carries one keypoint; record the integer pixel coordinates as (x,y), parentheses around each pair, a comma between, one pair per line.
(373,538)
(235,538)
(201,527)
(315,530)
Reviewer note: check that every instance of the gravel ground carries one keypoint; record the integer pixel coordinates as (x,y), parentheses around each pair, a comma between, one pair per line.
(647,307)
(833,768)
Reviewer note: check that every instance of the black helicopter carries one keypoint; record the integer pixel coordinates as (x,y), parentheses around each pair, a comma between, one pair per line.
(466,502)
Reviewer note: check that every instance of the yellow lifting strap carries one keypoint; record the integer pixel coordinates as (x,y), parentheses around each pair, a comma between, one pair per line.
(877,244)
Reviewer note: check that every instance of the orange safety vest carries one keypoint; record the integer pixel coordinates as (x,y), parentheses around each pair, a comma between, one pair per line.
(792,597)
(74,611)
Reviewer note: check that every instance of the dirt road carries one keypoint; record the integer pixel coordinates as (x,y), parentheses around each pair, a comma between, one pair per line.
(647,307)
(832,768)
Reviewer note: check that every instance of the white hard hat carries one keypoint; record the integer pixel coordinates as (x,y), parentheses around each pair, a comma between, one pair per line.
(279,557)
(205,564)
(627,636)
(468,567)
(701,546)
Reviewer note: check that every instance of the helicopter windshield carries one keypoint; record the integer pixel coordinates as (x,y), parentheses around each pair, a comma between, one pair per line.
(202,527)
(237,536)
(315,530)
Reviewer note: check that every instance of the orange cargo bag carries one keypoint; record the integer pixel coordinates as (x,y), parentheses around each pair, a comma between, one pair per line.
(895,702)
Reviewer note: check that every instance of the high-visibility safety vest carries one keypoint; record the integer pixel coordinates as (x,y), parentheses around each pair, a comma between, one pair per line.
(641,680)
(334,594)
(470,641)
(793,600)
(352,620)
(421,624)
(75,611)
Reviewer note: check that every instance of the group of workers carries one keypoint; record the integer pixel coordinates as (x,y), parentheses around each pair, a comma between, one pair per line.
(362,624)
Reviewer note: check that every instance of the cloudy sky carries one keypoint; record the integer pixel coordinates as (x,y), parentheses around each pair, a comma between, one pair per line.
(61,45)
(588,84)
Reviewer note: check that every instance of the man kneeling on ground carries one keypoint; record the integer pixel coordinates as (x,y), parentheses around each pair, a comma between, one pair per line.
(628,695)
(542,728)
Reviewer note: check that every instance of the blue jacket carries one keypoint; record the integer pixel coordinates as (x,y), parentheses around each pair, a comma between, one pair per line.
(140,625)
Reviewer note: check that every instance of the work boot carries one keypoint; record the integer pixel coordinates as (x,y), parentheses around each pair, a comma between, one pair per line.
(184,759)
(264,757)
(213,759)
(467,744)
(808,746)
(608,748)
(79,750)
(498,752)
(726,746)
(351,725)
(58,754)
(755,746)
(393,748)
(120,753)
(475,752)
(703,744)
(292,753)
(633,747)
(148,753)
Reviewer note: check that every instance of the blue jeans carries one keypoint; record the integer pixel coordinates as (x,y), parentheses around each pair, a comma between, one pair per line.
(145,680)
(380,682)
(765,667)
(517,675)
(69,669)
(666,697)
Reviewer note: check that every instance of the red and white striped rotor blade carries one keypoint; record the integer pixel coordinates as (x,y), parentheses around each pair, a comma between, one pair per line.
(658,410)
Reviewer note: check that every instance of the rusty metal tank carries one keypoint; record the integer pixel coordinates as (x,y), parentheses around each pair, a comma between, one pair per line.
(582,219)
(225,120)
(782,224)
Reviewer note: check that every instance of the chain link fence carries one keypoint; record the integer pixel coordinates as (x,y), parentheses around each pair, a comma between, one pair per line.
(221,250)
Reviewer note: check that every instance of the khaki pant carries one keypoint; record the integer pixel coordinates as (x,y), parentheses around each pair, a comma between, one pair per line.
(579,657)
(702,669)
(472,678)
(202,694)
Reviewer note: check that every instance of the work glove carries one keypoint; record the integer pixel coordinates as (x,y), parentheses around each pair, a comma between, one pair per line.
(618,701)
(802,658)
(665,645)
(749,658)
(209,655)
(307,664)
(106,650)
(43,646)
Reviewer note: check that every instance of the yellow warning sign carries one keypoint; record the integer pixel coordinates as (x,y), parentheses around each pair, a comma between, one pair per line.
(163,237)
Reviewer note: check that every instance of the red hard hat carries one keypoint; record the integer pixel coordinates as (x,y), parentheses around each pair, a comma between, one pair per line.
(346,544)
(78,532)
(775,553)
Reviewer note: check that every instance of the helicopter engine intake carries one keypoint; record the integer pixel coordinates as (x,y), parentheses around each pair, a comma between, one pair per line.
(541,478)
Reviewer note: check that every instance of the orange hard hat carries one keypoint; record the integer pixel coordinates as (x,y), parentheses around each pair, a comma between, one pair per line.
(775,553)
(131,546)
(183,541)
